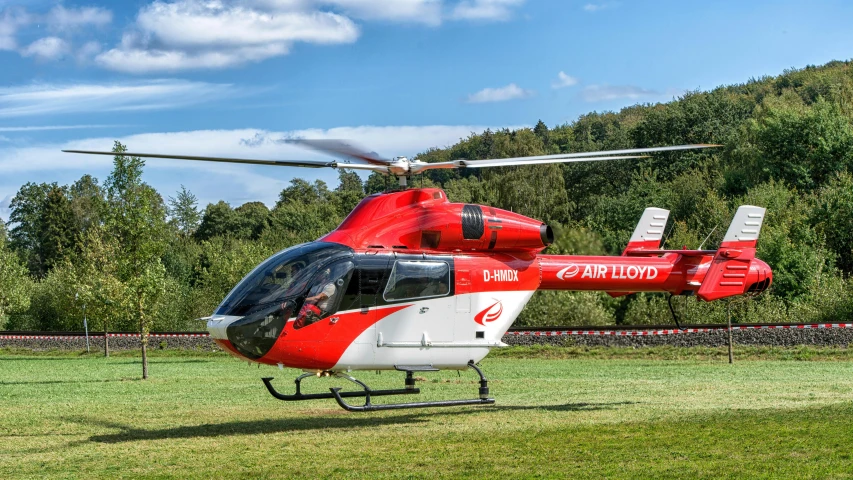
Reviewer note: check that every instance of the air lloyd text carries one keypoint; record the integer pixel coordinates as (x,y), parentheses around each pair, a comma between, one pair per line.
(619,272)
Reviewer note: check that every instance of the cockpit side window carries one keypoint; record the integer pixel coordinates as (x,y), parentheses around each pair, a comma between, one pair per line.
(417,279)
(327,289)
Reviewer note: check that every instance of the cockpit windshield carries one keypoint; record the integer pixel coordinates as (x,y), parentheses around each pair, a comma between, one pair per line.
(282,276)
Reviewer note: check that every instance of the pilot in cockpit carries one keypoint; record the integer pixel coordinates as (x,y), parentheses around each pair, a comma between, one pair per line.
(319,301)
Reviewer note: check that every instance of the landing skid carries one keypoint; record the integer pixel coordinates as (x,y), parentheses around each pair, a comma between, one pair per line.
(367,393)
(314,396)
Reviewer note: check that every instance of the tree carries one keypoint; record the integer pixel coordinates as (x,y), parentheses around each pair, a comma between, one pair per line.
(14,283)
(184,211)
(349,192)
(377,183)
(100,289)
(251,219)
(56,229)
(25,222)
(218,220)
(87,202)
(833,217)
(541,131)
(136,218)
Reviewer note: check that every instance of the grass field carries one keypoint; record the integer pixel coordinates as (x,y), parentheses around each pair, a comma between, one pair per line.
(208,417)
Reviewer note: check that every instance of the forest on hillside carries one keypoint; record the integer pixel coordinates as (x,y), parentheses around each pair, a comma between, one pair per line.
(138,259)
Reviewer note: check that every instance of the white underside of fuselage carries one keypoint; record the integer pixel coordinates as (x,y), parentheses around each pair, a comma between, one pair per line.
(439,332)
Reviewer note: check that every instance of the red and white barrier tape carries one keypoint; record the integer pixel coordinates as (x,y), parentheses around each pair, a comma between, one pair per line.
(536,333)
(675,331)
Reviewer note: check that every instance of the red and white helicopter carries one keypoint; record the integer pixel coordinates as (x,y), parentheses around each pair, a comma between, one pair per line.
(413,282)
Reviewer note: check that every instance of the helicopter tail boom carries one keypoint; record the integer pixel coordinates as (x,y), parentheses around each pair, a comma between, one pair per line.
(710,274)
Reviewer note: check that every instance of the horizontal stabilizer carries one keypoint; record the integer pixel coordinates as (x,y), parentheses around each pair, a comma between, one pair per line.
(685,253)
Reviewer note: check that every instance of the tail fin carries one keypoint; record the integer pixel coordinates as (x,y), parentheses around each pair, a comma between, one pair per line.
(743,231)
(734,263)
(649,232)
(647,236)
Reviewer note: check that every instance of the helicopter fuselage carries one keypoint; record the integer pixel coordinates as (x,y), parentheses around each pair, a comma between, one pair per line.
(411,279)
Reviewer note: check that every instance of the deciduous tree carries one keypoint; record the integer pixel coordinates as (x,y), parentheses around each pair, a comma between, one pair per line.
(136,217)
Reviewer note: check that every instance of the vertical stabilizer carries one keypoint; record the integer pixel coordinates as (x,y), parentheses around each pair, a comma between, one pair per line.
(744,229)
(649,232)
(735,270)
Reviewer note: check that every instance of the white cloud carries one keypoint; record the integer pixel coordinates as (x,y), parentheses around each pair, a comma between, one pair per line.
(414,11)
(4,208)
(38,128)
(44,99)
(64,19)
(501,94)
(47,48)
(190,34)
(140,60)
(174,35)
(59,20)
(11,19)
(484,9)
(88,51)
(599,93)
(214,181)
(597,7)
(564,80)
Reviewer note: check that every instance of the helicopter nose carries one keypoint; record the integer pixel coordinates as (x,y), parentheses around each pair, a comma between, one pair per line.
(217,327)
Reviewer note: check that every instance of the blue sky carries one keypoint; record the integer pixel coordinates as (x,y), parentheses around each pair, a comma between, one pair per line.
(230,77)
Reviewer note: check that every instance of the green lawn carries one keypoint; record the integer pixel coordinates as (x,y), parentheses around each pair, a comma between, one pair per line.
(211,417)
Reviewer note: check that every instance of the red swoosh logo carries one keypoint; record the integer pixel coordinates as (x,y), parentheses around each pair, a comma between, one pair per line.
(490,314)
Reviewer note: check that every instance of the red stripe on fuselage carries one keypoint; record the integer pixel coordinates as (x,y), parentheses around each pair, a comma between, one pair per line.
(228,347)
(320,345)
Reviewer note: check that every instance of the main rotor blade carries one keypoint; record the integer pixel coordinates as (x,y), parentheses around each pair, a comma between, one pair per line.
(280,163)
(604,153)
(341,148)
(556,158)
(510,162)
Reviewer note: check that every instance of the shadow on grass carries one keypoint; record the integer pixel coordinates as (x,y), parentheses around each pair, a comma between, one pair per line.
(254,427)
(52,382)
(568,407)
(111,361)
(258,427)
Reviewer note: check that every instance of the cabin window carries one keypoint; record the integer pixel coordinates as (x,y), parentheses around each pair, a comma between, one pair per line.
(411,279)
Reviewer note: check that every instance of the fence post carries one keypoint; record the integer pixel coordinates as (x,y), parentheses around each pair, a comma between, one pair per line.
(729,318)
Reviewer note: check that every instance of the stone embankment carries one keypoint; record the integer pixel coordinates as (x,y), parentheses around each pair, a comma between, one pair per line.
(824,337)
(36,342)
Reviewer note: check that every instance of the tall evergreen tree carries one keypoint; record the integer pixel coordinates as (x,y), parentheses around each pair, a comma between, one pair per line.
(184,211)
(25,223)
(57,229)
